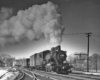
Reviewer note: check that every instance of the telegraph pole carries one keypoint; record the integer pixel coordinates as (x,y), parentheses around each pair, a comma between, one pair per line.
(88,36)
(81,58)
(96,63)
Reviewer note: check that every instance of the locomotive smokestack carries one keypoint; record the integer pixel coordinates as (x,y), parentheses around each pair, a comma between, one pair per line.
(39,21)
(58,47)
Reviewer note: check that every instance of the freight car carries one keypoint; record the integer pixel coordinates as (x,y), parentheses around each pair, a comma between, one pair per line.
(37,60)
(26,62)
(23,62)
(51,60)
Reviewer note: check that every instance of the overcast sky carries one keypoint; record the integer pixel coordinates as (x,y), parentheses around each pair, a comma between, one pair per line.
(78,16)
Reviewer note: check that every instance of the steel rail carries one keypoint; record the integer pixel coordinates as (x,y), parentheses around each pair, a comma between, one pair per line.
(20,76)
(85,75)
(32,74)
(77,76)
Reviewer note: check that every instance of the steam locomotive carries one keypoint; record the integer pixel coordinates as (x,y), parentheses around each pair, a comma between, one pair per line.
(51,60)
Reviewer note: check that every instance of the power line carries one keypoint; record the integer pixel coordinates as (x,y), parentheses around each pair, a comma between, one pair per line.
(93,34)
(74,33)
(95,40)
(96,36)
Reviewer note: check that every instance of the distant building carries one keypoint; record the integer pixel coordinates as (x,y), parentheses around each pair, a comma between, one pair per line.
(9,62)
(2,64)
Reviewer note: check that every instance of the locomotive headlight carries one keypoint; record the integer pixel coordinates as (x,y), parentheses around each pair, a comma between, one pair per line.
(61,56)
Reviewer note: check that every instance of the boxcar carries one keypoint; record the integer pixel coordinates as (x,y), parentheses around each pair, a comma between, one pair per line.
(26,62)
(32,61)
(37,60)
(40,59)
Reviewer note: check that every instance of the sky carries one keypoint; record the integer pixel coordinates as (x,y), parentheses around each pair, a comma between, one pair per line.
(78,17)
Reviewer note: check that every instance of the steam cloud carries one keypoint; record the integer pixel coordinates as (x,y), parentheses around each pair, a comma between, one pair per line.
(32,24)
(5,13)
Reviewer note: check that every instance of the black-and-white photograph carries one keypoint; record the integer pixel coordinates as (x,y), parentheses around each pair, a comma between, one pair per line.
(49,39)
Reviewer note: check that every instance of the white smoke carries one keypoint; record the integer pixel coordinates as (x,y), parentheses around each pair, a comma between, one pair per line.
(5,13)
(33,23)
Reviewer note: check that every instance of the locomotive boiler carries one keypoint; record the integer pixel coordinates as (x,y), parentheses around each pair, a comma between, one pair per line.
(51,60)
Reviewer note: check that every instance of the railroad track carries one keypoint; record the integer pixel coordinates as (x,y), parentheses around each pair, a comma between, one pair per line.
(72,76)
(86,76)
(26,75)
(20,75)
(32,75)
(40,77)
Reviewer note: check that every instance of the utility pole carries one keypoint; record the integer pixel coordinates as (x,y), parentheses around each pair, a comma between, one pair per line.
(88,35)
(96,63)
(81,58)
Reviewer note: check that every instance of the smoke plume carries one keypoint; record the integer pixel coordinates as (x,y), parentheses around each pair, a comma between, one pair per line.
(32,24)
(5,13)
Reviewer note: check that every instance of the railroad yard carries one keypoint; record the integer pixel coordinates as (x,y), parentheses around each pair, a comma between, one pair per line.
(41,75)
(27,74)
(46,65)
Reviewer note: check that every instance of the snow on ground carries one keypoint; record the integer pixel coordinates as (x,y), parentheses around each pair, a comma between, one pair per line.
(93,73)
(10,76)
(2,72)
(8,73)
(90,72)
